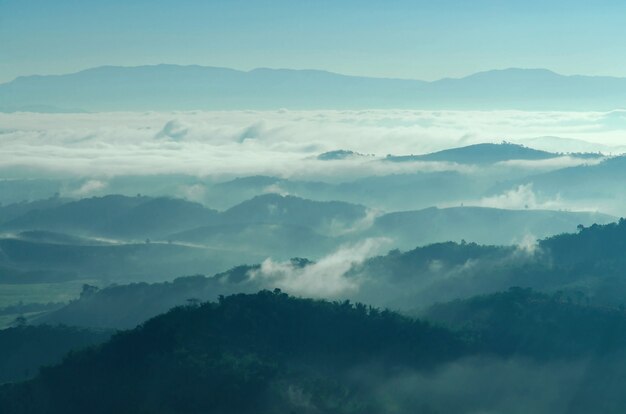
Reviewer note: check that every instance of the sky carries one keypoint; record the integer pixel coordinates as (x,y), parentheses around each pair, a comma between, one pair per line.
(394,38)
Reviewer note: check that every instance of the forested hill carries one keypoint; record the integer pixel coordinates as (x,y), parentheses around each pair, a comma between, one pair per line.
(523,321)
(272,353)
(246,354)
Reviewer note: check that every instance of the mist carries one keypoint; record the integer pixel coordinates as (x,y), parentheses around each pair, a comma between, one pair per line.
(283,143)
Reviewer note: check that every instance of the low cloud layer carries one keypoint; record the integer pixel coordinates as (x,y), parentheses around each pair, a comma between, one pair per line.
(283,143)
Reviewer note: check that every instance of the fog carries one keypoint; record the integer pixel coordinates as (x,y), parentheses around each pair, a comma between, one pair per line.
(284,143)
(325,278)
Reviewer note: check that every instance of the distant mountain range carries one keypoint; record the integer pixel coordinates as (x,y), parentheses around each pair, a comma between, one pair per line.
(173,87)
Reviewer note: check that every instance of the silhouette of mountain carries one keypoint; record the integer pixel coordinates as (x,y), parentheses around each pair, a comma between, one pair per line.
(172,87)
(116,216)
(412,228)
(324,217)
(35,261)
(479,154)
(531,323)
(268,352)
(594,181)
(262,347)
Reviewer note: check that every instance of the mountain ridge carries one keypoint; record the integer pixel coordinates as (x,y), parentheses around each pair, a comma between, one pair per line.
(195,87)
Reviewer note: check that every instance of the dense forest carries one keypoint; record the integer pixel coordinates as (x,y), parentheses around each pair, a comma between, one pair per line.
(286,354)
(281,353)
(26,348)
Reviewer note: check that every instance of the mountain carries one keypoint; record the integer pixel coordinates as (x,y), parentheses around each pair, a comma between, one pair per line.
(36,261)
(412,228)
(524,321)
(339,155)
(261,353)
(276,240)
(126,306)
(116,216)
(328,217)
(271,353)
(479,154)
(14,210)
(586,264)
(172,87)
(598,180)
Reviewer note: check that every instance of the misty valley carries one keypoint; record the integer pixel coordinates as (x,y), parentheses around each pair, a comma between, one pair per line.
(458,280)
(312,207)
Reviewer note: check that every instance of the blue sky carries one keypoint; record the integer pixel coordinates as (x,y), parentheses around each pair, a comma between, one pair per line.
(385,38)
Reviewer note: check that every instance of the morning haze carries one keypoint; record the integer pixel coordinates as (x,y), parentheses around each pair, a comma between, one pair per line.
(334,207)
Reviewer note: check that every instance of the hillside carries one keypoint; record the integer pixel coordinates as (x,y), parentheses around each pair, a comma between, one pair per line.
(265,346)
(432,225)
(31,261)
(531,323)
(116,216)
(22,353)
(300,355)
(577,265)
(325,217)
(594,184)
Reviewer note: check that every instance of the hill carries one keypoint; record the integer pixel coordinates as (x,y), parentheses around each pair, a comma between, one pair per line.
(277,240)
(116,216)
(479,154)
(271,353)
(587,263)
(531,323)
(22,353)
(34,261)
(264,347)
(328,217)
(576,265)
(595,182)
(433,225)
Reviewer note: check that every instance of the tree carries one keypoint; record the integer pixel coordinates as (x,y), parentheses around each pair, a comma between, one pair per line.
(19,321)
(88,290)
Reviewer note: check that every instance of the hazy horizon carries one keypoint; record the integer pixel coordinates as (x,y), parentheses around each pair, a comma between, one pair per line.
(413,40)
(315,69)
(328,207)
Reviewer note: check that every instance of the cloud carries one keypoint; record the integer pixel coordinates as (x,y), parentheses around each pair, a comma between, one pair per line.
(193,192)
(282,143)
(521,197)
(485,385)
(325,278)
(88,188)
(524,197)
(550,163)
(173,130)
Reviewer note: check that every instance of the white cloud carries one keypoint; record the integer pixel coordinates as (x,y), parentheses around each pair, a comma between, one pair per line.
(326,277)
(173,130)
(282,143)
(517,198)
(550,163)
(88,188)
(524,197)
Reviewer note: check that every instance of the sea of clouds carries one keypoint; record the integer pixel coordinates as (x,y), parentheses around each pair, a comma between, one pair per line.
(285,143)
